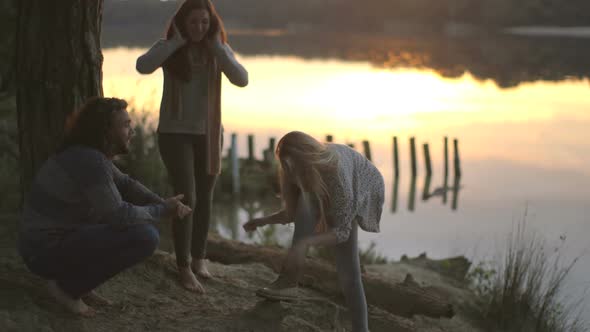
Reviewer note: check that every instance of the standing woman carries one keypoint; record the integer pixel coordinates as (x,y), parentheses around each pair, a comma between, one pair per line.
(327,190)
(193,56)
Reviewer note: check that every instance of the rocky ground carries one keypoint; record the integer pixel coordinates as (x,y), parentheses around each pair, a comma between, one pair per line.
(148,297)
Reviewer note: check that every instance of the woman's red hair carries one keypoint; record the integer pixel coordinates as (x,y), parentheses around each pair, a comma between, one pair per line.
(178,63)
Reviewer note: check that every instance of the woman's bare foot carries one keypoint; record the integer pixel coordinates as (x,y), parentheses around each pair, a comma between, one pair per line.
(199,266)
(76,306)
(189,281)
(97,299)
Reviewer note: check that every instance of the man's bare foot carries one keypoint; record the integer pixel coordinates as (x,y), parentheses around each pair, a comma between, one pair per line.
(97,299)
(189,281)
(199,266)
(76,306)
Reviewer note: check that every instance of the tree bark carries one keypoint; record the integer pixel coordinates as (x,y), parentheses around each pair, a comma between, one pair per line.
(59,65)
(403,299)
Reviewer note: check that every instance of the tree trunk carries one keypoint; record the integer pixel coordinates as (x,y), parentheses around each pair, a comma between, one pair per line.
(404,299)
(59,65)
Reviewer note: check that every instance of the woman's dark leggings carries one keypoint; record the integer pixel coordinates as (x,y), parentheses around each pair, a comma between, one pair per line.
(185,158)
(347,261)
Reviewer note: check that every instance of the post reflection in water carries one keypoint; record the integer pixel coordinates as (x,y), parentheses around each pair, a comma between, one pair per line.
(426,191)
(394,194)
(412,195)
(456,188)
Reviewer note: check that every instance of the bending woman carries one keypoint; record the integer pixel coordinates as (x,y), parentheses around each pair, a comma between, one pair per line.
(327,190)
(193,57)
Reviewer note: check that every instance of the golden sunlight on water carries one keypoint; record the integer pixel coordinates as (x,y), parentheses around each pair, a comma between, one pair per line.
(542,123)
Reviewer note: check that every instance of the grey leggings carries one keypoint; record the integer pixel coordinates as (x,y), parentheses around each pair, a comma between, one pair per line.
(185,159)
(347,262)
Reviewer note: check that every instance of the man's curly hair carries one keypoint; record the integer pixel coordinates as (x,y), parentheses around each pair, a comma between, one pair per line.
(89,126)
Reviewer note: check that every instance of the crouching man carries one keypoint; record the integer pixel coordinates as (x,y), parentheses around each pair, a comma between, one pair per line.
(84,221)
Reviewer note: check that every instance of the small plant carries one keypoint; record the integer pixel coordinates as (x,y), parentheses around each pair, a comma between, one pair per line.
(526,290)
(367,256)
(371,256)
(143,161)
(268,236)
(480,279)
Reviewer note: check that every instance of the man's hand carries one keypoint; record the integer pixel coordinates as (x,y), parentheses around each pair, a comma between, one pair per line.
(175,206)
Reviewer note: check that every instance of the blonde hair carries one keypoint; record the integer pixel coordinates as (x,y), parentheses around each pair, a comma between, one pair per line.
(304,162)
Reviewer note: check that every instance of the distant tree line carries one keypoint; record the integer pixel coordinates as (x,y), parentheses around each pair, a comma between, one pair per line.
(141,21)
(364,15)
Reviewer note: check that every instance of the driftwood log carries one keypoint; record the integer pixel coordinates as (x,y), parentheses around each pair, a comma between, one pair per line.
(404,299)
(454,267)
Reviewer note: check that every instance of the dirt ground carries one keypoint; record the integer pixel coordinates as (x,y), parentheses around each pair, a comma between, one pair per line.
(148,297)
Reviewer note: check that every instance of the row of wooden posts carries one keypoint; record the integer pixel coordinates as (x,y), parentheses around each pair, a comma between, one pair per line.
(396,168)
(268,157)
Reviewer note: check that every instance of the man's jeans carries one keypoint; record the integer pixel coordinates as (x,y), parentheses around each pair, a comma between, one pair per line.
(85,258)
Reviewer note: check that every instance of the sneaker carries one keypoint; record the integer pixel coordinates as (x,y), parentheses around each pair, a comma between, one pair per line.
(284,294)
(283,281)
(283,288)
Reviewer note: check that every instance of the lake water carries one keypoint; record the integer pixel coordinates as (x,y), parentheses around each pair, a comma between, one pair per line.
(520,111)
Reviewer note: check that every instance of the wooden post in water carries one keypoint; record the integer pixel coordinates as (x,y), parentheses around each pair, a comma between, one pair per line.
(251,147)
(394,194)
(446,171)
(395,158)
(457,160)
(233,217)
(413,155)
(412,196)
(446,157)
(367,149)
(235,166)
(427,160)
(329,138)
(271,145)
(269,154)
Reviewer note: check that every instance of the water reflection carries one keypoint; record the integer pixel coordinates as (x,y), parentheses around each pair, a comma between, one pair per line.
(427,194)
(229,214)
(354,102)
(456,188)
(507,60)
(412,194)
(394,194)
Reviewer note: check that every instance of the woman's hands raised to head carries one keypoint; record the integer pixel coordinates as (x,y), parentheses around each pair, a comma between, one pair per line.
(177,36)
(175,207)
(214,42)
